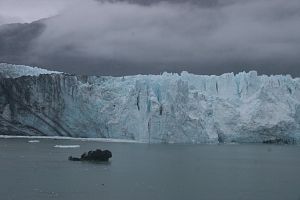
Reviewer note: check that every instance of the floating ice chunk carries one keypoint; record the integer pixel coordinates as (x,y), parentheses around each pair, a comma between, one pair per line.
(67,146)
(33,141)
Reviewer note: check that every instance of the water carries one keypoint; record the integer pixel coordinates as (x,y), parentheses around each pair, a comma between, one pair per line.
(38,171)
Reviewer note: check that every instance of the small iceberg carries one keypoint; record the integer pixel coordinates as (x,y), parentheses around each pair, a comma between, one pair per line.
(33,141)
(67,146)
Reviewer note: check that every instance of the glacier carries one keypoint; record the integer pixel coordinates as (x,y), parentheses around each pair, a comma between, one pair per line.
(15,71)
(166,108)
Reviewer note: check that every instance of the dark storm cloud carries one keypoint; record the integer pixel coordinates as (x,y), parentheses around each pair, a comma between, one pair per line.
(205,37)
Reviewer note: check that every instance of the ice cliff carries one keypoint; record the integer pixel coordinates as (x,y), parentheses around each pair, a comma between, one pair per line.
(166,108)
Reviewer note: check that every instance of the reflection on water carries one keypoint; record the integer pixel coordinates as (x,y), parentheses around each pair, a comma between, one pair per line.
(140,171)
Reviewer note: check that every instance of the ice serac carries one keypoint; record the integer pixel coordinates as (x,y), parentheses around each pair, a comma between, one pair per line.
(168,108)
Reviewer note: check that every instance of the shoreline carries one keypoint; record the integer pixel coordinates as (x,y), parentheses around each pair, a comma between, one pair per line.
(112,140)
(69,138)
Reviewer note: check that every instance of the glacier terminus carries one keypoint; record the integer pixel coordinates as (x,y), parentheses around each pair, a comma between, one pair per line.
(166,108)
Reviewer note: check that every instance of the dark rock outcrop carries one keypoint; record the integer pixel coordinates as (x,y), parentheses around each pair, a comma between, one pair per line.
(97,155)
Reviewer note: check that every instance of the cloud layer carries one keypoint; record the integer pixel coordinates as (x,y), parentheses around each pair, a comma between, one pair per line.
(118,37)
(26,11)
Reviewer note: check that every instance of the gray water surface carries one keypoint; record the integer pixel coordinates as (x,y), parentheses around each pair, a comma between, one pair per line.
(39,171)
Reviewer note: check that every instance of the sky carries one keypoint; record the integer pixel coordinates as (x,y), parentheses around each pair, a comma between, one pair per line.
(130,37)
(26,11)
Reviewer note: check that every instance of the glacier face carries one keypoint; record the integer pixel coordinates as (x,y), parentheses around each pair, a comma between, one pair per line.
(168,108)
